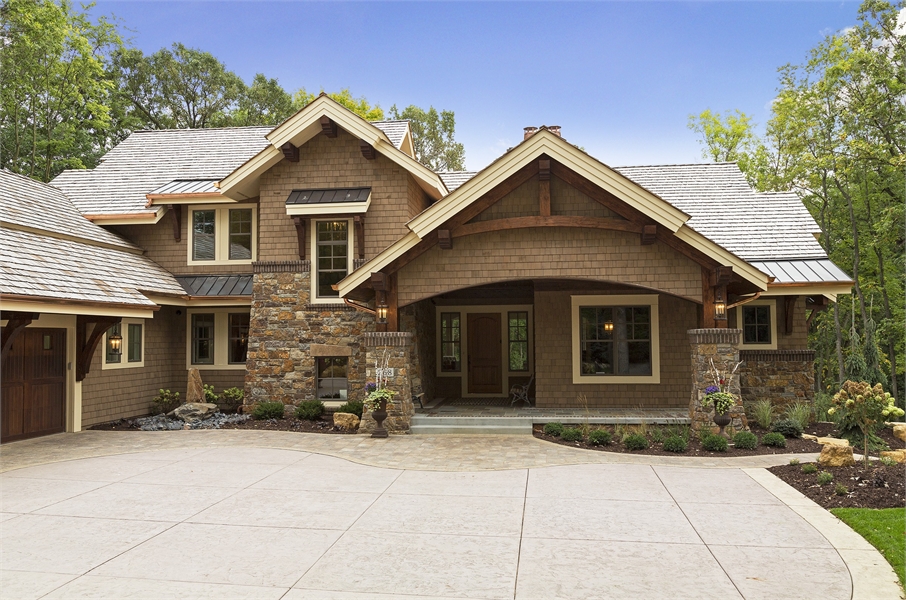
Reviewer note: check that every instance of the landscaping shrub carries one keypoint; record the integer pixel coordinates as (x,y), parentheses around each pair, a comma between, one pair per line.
(823,402)
(824,478)
(859,406)
(658,435)
(800,412)
(354,407)
(809,468)
(745,440)
(599,437)
(310,410)
(165,401)
(841,490)
(675,443)
(773,439)
(554,429)
(888,462)
(788,427)
(763,413)
(209,395)
(715,443)
(635,441)
(232,397)
(571,434)
(268,410)
(794,461)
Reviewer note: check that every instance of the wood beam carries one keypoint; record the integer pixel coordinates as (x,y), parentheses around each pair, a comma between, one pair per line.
(444,239)
(393,320)
(379,282)
(299,222)
(87,343)
(554,221)
(544,187)
(649,234)
(176,211)
(359,224)
(789,312)
(708,321)
(328,127)
(598,194)
(668,239)
(290,152)
(721,276)
(816,304)
(15,325)
(476,208)
(367,150)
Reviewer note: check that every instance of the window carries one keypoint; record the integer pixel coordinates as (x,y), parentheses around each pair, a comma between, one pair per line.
(518,340)
(332,256)
(131,351)
(203,339)
(758,322)
(222,235)
(450,342)
(332,378)
(615,339)
(217,338)
(239,337)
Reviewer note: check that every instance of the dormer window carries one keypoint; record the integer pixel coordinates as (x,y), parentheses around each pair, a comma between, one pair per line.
(222,235)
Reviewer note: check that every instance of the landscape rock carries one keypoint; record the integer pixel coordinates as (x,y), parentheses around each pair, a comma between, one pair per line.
(192,412)
(899,431)
(808,436)
(346,421)
(832,441)
(195,393)
(897,455)
(836,456)
(164,423)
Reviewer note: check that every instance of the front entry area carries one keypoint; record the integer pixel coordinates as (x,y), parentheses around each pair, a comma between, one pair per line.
(33,391)
(484,360)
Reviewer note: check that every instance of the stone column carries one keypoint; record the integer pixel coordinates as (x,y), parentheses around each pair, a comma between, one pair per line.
(394,345)
(722,347)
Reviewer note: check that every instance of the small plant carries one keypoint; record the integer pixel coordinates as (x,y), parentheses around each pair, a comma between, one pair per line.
(800,412)
(824,478)
(763,413)
(773,439)
(658,435)
(809,468)
(841,490)
(675,443)
(794,461)
(554,429)
(715,443)
(860,405)
(599,437)
(165,401)
(788,427)
(823,403)
(722,401)
(209,395)
(310,410)
(268,410)
(354,407)
(232,397)
(640,429)
(888,462)
(571,434)
(635,441)
(745,440)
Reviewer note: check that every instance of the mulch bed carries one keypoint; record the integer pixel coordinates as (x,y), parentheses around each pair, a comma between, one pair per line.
(878,487)
(319,426)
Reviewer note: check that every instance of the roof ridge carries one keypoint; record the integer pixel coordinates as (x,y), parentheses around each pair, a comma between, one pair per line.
(710,164)
(227,128)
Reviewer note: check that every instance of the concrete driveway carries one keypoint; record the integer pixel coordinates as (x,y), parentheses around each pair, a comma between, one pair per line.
(268,523)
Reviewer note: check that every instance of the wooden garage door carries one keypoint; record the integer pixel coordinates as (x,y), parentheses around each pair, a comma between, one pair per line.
(33,400)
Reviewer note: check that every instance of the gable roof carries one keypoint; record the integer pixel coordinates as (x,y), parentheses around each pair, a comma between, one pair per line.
(454,179)
(395,131)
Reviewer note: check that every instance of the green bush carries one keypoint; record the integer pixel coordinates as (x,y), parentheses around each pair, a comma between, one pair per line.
(809,468)
(763,413)
(232,397)
(823,402)
(773,439)
(658,435)
(824,478)
(268,410)
(165,401)
(745,440)
(788,427)
(675,443)
(635,441)
(841,490)
(554,429)
(310,410)
(354,407)
(794,461)
(800,412)
(599,437)
(715,443)
(571,434)
(888,462)
(209,396)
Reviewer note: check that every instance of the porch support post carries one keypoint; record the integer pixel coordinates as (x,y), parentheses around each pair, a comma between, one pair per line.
(720,346)
(392,347)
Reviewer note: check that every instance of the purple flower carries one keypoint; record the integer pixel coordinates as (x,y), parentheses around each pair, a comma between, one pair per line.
(711,389)
(370,387)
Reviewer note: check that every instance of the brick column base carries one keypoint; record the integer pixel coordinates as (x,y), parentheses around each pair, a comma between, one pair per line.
(721,346)
(395,347)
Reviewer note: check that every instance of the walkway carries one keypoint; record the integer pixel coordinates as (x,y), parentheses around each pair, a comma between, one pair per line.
(227,514)
(501,407)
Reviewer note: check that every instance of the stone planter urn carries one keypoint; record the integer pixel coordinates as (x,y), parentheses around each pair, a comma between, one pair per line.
(722,420)
(379,415)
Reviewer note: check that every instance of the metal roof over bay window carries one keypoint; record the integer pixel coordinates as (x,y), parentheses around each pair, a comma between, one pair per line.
(328,201)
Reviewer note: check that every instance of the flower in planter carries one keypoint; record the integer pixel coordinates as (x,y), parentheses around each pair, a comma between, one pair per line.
(722,401)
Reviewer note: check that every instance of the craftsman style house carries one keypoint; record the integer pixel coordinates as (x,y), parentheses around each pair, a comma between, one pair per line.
(292,261)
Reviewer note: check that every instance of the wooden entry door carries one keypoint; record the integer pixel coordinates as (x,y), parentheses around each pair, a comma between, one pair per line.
(33,400)
(484,353)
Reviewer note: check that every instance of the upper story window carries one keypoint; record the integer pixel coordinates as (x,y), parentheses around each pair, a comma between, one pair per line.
(222,235)
(124,345)
(332,254)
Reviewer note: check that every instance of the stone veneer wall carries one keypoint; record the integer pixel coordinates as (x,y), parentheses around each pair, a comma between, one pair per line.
(284,330)
(781,376)
(396,347)
(720,346)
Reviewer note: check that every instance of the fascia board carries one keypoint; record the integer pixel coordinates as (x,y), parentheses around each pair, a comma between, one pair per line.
(136,219)
(236,185)
(363,273)
(200,301)
(810,289)
(328,208)
(724,257)
(58,306)
(164,199)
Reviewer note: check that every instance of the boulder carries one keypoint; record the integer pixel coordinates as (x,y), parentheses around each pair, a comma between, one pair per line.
(832,441)
(897,455)
(192,412)
(808,436)
(899,431)
(345,421)
(195,391)
(836,456)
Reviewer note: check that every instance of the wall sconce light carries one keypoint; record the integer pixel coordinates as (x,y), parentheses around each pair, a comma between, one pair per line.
(720,307)
(608,326)
(116,343)
(381,311)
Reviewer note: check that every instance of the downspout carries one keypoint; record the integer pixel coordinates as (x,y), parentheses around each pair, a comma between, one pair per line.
(358,307)
(745,300)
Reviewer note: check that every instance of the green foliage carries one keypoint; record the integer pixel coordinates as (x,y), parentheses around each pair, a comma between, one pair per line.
(888,462)
(599,437)
(809,468)
(763,413)
(825,477)
(800,412)
(268,410)
(344,97)
(794,461)
(165,401)
(745,440)
(715,443)
(883,529)
(571,434)
(232,397)
(823,402)
(555,429)
(788,427)
(675,443)
(867,407)
(310,410)
(210,395)
(432,134)
(658,435)
(726,137)
(262,103)
(722,401)
(635,441)
(773,439)
(841,490)
(354,407)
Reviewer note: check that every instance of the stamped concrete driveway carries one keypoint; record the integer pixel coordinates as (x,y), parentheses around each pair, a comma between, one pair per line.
(269,523)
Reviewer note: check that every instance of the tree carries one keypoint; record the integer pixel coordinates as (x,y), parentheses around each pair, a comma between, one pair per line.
(359,106)
(432,136)
(263,103)
(54,95)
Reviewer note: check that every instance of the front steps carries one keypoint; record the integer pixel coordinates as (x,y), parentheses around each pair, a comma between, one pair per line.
(436,425)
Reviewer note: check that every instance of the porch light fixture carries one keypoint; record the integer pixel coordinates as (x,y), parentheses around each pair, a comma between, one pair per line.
(720,307)
(381,311)
(608,325)
(116,343)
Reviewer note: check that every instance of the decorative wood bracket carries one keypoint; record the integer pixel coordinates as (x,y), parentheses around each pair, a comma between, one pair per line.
(359,223)
(87,343)
(789,312)
(367,150)
(544,187)
(328,127)
(379,282)
(299,222)
(649,234)
(16,324)
(721,276)
(176,211)
(444,239)
(816,304)
(290,152)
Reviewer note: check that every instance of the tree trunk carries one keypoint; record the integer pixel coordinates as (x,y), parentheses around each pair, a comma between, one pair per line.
(856,257)
(841,370)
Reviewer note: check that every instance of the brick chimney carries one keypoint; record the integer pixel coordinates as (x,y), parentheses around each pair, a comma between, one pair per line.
(555,129)
(529,132)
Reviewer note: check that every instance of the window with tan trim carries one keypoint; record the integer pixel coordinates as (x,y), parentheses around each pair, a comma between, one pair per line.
(222,235)
(758,322)
(132,347)
(615,339)
(217,338)
(332,253)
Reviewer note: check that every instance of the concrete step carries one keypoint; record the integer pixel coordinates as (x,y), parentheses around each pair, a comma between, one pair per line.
(471,425)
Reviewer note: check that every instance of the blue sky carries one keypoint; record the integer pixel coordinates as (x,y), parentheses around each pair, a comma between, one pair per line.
(620,78)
